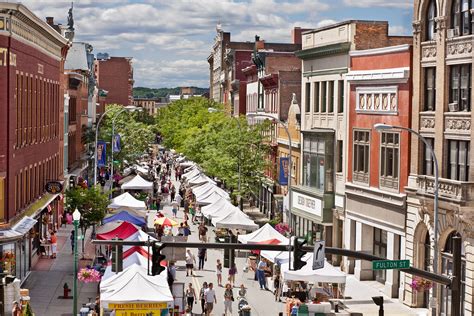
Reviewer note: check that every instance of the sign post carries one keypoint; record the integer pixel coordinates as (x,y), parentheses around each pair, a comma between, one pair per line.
(390,264)
(318,254)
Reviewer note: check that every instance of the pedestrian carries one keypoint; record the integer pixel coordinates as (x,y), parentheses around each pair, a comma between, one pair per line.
(16,310)
(192,212)
(187,230)
(202,232)
(54,245)
(190,296)
(181,229)
(210,296)
(202,255)
(276,286)
(228,299)
(171,274)
(73,242)
(219,272)
(203,298)
(174,208)
(178,199)
(190,262)
(172,192)
(261,267)
(158,203)
(242,291)
(232,273)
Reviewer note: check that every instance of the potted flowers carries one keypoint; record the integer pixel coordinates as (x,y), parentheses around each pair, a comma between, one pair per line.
(282,228)
(420,284)
(87,275)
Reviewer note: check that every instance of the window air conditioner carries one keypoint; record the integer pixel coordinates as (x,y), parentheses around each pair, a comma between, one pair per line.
(452,33)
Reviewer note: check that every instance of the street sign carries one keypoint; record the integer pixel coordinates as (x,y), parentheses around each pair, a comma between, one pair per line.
(390,264)
(318,255)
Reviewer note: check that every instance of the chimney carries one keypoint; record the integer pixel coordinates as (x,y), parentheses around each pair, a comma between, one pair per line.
(296,35)
(50,20)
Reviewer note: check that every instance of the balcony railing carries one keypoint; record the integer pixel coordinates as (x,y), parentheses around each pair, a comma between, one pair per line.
(428,51)
(457,191)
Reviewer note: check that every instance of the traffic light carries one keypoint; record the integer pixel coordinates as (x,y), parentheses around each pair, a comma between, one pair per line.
(298,253)
(156,258)
(117,257)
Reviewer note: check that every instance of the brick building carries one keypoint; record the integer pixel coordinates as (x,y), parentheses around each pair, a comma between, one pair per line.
(31,67)
(115,75)
(325,61)
(377,163)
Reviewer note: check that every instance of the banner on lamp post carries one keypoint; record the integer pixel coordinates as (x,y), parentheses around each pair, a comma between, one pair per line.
(101,153)
(284,170)
(116,143)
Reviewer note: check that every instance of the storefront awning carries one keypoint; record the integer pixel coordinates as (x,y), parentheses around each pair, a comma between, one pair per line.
(24,225)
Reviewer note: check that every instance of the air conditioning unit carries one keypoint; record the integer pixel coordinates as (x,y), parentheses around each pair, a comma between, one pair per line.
(452,33)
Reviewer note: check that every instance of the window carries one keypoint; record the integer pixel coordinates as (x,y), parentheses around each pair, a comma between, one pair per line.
(430,89)
(460,87)
(428,163)
(389,159)
(361,156)
(380,250)
(458,153)
(340,87)
(318,149)
(430,21)
(331,96)
(461,17)
(340,156)
(308,97)
(324,100)
(316,97)
(72,110)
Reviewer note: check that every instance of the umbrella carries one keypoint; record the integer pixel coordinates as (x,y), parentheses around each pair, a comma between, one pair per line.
(165,221)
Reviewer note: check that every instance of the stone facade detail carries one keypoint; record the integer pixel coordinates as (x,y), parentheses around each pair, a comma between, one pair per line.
(428,51)
(459,47)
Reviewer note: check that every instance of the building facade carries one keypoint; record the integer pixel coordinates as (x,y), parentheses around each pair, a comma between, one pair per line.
(379,83)
(31,68)
(442,113)
(115,75)
(319,200)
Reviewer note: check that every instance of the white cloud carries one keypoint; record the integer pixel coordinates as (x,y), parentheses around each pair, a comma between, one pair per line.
(398,30)
(404,4)
(325,22)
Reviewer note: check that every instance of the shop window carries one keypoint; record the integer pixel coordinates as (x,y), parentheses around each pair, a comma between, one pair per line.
(430,21)
(458,160)
(460,88)
(7,259)
(389,160)
(361,154)
(380,250)
(430,88)
(318,162)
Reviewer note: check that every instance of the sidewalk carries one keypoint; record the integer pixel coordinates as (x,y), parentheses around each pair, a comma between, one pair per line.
(48,277)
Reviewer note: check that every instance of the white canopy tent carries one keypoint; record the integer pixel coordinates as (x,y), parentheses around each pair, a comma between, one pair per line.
(192,173)
(328,274)
(266,232)
(134,258)
(134,285)
(141,169)
(187,164)
(210,198)
(137,183)
(235,220)
(126,200)
(140,235)
(220,208)
(206,189)
(200,179)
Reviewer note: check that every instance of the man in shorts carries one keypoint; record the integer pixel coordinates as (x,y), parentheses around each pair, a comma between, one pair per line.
(202,232)
(210,297)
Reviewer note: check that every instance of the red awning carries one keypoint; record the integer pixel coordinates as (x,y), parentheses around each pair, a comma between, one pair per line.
(123,231)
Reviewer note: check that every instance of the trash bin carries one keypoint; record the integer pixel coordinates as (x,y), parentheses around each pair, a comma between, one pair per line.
(245,311)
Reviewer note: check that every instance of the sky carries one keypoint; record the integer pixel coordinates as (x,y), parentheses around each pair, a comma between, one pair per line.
(170,40)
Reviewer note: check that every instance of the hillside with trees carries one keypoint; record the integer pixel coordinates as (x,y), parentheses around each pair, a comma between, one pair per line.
(142,92)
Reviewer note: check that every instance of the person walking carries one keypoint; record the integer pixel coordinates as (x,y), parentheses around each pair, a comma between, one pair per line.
(219,272)
(190,262)
(190,297)
(232,273)
(174,208)
(73,242)
(54,245)
(172,192)
(242,291)
(202,232)
(276,286)
(261,267)
(210,296)
(202,297)
(202,255)
(228,299)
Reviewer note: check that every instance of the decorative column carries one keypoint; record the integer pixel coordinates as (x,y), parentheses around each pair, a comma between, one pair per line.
(364,243)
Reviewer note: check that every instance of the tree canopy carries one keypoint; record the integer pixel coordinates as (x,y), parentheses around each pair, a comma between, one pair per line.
(216,141)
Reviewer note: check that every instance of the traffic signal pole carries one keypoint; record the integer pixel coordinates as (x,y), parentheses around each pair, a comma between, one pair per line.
(440,279)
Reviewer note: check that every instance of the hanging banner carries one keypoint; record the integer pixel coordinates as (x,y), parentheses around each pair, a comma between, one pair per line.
(101,155)
(284,170)
(116,146)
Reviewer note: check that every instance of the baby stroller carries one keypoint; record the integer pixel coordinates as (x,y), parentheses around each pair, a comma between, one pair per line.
(242,304)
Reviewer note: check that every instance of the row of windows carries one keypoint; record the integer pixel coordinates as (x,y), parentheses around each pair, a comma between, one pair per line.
(461,19)
(459,88)
(324,94)
(37,110)
(30,181)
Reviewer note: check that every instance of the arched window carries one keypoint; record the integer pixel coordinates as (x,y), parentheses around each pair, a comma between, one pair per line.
(447,270)
(430,21)
(461,17)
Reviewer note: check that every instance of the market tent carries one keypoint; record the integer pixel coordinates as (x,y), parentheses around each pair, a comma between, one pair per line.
(134,285)
(128,201)
(137,183)
(192,173)
(187,164)
(125,216)
(210,198)
(134,257)
(220,208)
(124,230)
(208,188)
(141,169)
(107,227)
(200,179)
(327,274)
(235,220)
(266,232)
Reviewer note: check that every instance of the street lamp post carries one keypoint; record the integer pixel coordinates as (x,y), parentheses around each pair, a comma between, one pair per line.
(381,127)
(76,216)
(214,110)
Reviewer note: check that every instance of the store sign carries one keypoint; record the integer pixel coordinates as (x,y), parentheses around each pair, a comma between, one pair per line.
(307,203)
(53,187)
(157,305)
(138,312)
